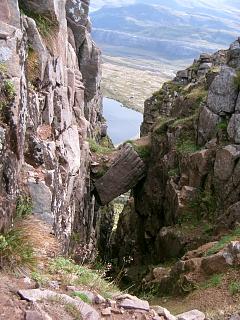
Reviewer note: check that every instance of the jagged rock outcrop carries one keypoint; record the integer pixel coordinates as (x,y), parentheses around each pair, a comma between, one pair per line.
(192,182)
(50,105)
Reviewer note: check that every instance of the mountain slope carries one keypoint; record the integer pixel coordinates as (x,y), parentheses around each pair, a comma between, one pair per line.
(154,27)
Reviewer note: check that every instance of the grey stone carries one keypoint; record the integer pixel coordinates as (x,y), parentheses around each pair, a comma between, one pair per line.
(191,315)
(85,309)
(223,93)
(233,128)
(235,317)
(225,162)
(164,312)
(207,125)
(134,304)
(42,200)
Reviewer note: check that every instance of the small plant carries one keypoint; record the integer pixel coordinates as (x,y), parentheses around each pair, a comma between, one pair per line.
(173,172)
(204,204)
(214,281)
(45,24)
(39,278)
(16,250)
(81,296)
(24,206)
(237,80)
(9,88)
(186,146)
(73,311)
(234,235)
(83,275)
(97,148)
(3,67)
(234,288)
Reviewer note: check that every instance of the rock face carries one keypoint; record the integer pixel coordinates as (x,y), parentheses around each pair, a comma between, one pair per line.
(193,173)
(50,105)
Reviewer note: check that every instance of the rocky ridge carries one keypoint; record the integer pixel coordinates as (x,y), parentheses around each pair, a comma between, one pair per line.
(51,105)
(190,196)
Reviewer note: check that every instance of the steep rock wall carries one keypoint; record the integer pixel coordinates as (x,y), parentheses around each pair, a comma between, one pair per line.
(191,192)
(50,105)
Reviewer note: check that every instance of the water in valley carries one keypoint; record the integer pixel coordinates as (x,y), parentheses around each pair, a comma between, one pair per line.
(123,123)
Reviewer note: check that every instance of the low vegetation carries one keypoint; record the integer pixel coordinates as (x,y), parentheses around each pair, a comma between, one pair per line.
(46,25)
(16,250)
(75,274)
(234,235)
(23,207)
(81,296)
(186,145)
(97,148)
(234,287)
(73,311)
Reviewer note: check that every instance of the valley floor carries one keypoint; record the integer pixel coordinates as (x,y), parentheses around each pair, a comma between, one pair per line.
(131,82)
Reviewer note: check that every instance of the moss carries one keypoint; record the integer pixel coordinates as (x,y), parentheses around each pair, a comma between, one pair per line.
(187,121)
(186,145)
(162,124)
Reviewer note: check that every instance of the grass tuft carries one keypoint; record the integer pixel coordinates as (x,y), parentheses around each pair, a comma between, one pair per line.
(83,276)
(81,296)
(97,148)
(24,206)
(234,235)
(16,250)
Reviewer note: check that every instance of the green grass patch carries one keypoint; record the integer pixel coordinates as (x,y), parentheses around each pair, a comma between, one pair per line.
(9,89)
(3,67)
(39,278)
(234,235)
(213,282)
(81,296)
(187,121)
(24,206)
(186,145)
(97,148)
(234,287)
(16,250)
(83,276)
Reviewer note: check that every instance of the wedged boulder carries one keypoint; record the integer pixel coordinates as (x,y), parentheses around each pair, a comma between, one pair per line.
(223,92)
(125,172)
(192,315)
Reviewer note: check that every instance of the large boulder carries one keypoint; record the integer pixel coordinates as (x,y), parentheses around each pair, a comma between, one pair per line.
(125,172)
(223,92)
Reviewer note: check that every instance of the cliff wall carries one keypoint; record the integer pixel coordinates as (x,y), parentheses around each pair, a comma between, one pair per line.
(50,105)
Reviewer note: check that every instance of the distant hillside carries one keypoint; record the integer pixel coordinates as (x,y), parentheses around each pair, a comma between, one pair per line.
(164,29)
